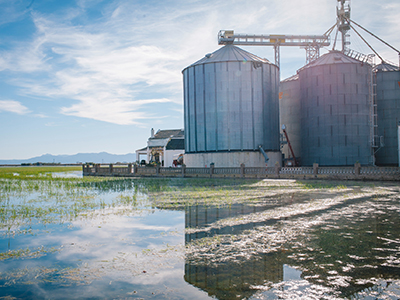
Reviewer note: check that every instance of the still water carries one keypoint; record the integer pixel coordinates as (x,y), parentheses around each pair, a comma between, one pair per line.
(199,239)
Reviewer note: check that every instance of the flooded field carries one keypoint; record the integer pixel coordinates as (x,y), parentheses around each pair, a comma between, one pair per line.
(63,236)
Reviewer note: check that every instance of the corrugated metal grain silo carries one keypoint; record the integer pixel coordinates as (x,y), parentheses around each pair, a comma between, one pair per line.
(290,114)
(230,105)
(336,123)
(388,105)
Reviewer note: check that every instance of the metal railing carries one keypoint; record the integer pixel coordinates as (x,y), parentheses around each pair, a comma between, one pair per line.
(356,172)
(197,171)
(170,171)
(146,171)
(379,171)
(258,170)
(296,170)
(226,171)
(336,170)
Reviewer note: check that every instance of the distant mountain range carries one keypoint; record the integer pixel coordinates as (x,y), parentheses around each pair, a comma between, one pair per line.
(102,157)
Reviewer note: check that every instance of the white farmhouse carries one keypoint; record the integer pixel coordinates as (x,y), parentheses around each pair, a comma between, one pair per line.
(162,147)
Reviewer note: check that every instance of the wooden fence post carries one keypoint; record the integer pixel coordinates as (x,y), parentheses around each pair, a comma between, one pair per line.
(315,169)
(135,169)
(211,169)
(111,170)
(97,168)
(242,165)
(130,169)
(183,170)
(157,170)
(357,167)
(277,170)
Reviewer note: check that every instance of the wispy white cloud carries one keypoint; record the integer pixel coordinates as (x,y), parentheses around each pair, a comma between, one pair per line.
(97,69)
(25,58)
(133,55)
(112,110)
(43,116)
(11,13)
(13,106)
(101,68)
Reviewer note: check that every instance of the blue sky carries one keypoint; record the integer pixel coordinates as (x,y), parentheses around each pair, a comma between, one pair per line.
(92,75)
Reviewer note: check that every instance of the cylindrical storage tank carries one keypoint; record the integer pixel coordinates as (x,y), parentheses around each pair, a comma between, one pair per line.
(231,105)
(388,107)
(336,111)
(290,114)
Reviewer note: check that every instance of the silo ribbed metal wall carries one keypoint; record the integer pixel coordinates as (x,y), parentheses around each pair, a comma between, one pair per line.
(290,114)
(388,103)
(231,106)
(335,114)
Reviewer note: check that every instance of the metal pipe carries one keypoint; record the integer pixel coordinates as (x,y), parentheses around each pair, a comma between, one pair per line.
(290,146)
(264,154)
(334,42)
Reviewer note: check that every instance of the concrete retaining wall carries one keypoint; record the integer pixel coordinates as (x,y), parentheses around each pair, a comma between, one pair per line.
(232,159)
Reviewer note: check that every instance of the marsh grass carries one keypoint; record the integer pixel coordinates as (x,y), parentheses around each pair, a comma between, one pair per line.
(34,172)
(34,197)
(30,199)
(27,253)
(30,195)
(222,192)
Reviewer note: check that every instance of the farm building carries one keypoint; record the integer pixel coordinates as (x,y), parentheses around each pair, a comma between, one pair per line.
(162,147)
(231,110)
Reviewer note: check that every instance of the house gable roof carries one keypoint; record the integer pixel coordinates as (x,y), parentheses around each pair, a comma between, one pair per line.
(164,134)
(175,144)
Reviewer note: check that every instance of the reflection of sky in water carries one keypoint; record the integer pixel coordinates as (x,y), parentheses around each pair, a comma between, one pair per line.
(69,174)
(297,246)
(141,256)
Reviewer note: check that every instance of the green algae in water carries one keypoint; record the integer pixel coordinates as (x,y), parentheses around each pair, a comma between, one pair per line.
(150,237)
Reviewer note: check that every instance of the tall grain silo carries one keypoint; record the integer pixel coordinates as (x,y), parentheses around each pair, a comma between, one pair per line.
(290,114)
(388,106)
(230,109)
(336,117)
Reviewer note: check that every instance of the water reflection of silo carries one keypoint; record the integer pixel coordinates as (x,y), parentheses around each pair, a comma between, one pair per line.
(335,111)
(230,108)
(388,104)
(227,277)
(234,279)
(290,113)
(200,216)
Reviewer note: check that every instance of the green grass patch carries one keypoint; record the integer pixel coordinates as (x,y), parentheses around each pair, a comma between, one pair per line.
(26,253)
(34,172)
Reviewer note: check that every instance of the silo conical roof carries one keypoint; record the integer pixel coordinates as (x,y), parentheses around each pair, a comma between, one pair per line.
(385,67)
(333,57)
(230,53)
(291,78)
